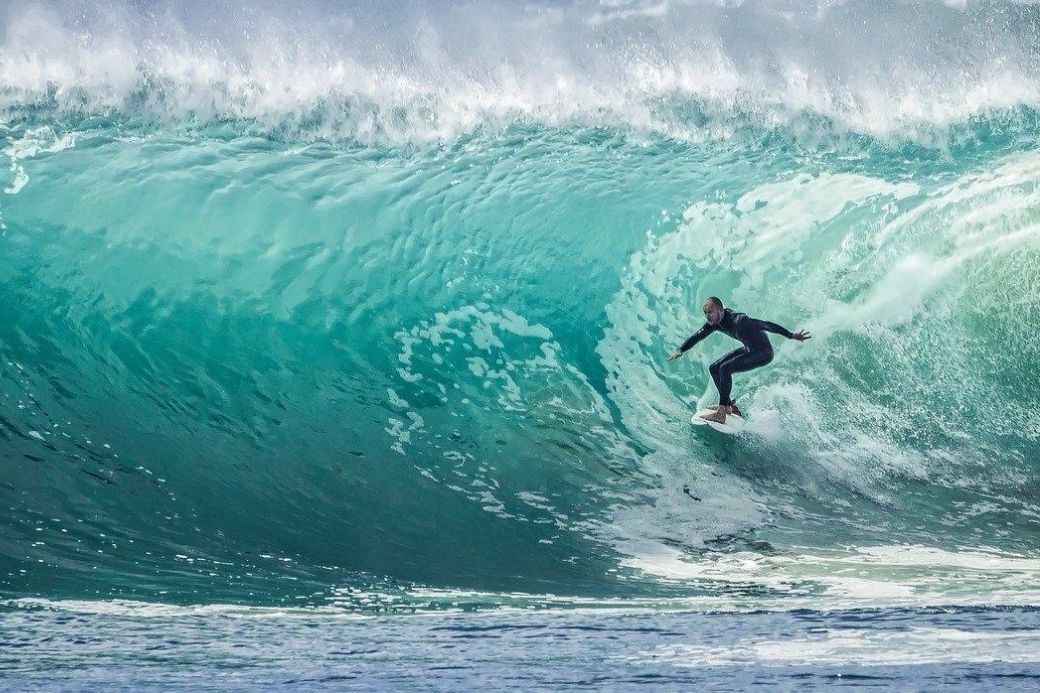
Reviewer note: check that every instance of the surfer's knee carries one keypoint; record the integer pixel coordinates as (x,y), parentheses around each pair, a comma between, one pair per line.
(759,359)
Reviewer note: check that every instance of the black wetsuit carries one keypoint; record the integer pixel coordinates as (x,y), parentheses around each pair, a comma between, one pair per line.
(757,351)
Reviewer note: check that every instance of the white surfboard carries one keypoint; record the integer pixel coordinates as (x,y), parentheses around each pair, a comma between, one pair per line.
(734,424)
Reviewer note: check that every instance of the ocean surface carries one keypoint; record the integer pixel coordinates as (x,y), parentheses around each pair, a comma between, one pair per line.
(334,337)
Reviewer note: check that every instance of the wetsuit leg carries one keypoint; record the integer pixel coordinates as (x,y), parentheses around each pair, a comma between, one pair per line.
(716,368)
(736,362)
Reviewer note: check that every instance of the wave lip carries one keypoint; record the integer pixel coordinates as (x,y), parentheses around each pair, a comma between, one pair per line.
(684,71)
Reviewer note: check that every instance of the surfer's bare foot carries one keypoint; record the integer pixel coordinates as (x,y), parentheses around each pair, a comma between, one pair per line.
(719,416)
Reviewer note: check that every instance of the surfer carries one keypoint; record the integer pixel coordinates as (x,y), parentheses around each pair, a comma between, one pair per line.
(756,352)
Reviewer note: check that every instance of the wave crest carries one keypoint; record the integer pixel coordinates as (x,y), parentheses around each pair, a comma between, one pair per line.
(689,71)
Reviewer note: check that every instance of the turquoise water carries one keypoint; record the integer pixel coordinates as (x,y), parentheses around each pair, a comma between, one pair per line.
(366,311)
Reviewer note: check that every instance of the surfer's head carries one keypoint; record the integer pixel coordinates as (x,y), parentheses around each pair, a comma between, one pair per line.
(713,310)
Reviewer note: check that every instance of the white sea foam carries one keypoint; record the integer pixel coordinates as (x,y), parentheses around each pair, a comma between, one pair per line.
(847,646)
(889,575)
(415,72)
(876,577)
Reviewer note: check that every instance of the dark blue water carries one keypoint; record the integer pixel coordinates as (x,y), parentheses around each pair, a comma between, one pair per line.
(81,644)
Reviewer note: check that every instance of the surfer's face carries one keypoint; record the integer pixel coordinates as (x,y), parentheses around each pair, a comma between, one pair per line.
(713,313)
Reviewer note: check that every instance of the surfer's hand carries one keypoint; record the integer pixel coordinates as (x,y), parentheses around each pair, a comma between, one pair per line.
(676,354)
(801,335)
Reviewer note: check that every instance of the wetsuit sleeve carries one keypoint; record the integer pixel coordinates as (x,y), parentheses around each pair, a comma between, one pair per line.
(773,327)
(698,336)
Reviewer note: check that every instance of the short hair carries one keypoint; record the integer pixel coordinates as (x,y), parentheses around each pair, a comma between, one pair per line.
(714,300)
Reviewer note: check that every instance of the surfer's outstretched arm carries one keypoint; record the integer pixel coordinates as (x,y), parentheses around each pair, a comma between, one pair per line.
(694,338)
(800,335)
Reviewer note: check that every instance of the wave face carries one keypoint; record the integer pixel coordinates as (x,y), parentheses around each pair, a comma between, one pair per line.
(327,303)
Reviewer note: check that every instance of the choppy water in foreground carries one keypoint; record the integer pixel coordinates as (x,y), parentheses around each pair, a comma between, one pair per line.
(145,647)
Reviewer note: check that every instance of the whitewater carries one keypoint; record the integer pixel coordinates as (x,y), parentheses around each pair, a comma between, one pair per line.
(349,323)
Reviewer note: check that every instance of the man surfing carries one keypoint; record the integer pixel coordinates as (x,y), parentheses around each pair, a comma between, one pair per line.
(756,352)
